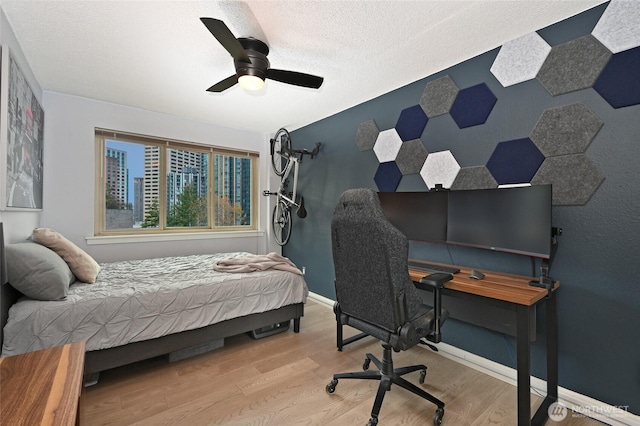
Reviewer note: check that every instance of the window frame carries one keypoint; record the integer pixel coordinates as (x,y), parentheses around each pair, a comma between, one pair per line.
(101,137)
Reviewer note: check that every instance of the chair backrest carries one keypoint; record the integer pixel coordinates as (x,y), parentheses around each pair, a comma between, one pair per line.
(370,258)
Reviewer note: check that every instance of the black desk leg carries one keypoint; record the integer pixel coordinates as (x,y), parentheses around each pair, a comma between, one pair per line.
(552,363)
(524,365)
(552,348)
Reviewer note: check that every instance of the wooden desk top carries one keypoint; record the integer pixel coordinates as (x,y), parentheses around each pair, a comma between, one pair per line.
(42,387)
(495,285)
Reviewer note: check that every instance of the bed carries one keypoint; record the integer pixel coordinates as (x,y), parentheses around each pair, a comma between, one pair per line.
(141,309)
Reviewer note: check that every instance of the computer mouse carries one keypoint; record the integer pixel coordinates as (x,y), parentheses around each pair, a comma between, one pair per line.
(476,275)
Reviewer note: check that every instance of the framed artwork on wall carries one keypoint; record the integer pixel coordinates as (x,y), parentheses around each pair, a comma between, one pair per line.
(21,139)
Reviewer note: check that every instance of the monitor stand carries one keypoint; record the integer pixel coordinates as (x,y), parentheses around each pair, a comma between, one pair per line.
(545,281)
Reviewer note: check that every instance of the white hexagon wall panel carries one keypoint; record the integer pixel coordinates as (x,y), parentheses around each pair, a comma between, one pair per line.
(520,59)
(387,145)
(618,26)
(440,168)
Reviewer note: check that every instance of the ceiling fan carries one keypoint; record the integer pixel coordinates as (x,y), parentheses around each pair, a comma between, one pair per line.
(250,59)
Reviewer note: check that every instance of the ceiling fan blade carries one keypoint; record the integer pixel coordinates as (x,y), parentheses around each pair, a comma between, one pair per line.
(226,38)
(224,84)
(295,78)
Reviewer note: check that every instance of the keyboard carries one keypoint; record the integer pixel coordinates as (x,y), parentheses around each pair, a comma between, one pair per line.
(432,268)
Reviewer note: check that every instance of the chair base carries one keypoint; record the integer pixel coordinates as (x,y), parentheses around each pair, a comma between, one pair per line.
(387,375)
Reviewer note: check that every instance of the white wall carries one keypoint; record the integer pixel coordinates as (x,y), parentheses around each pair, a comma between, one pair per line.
(17,224)
(69,163)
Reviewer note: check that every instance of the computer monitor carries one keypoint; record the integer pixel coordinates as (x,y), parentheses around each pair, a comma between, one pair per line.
(421,216)
(514,220)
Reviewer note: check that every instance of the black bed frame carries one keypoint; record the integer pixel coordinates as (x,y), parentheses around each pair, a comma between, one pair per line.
(104,359)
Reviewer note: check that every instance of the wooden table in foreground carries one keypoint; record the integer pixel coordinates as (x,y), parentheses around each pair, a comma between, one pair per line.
(42,387)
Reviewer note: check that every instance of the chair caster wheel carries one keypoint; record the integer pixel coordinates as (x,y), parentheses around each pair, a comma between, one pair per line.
(373,421)
(365,365)
(437,417)
(423,374)
(331,386)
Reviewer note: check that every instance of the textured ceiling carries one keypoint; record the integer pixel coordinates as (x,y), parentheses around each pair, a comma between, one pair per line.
(158,56)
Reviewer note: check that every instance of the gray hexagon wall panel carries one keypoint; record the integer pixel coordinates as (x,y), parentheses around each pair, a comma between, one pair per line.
(574,65)
(440,168)
(520,59)
(565,130)
(366,135)
(574,178)
(411,157)
(606,59)
(477,177)
(387,145)
(618,26)
(438,96)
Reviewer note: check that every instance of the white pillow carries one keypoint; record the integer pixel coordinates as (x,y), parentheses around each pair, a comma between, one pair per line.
(83,266)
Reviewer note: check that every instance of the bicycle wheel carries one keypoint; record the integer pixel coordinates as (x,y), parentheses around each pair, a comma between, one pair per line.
(280,151)
(281,221)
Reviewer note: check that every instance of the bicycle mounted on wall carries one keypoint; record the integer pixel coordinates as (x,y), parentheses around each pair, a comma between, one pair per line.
(283,159)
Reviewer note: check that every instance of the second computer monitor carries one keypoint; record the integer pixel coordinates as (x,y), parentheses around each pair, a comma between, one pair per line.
(421,216)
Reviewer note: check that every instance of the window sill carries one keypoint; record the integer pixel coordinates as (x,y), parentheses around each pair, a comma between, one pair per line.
(153,238)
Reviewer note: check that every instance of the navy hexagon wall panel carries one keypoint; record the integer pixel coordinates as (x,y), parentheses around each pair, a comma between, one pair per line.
(473,105)
(515,161)
(388,176)
(619,83)
(607,60)
(411,123)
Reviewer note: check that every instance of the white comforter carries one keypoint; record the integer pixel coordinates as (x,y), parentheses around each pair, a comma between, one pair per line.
(144,299)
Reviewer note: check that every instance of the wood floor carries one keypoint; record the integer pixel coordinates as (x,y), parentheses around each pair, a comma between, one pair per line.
(281,379)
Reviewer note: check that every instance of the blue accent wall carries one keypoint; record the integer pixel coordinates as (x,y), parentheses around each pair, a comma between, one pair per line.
(597,260)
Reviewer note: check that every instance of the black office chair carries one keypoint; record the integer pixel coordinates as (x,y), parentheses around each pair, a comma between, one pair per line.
(376,295)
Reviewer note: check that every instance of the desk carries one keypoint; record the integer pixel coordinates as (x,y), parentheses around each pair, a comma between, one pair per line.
(42,387)
(506,294)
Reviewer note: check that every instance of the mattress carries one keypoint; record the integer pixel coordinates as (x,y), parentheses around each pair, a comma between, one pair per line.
(144,299)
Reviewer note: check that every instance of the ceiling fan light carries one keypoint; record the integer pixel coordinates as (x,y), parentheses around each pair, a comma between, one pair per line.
(251,82)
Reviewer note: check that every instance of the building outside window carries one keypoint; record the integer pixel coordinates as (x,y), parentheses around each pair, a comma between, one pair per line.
(150,185)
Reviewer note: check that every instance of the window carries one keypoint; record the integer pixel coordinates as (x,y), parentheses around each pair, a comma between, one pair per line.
(150,185)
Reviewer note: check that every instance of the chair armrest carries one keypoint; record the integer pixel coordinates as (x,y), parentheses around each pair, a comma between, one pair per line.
(437,280)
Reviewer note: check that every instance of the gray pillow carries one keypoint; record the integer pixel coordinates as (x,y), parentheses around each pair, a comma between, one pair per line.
(38,272)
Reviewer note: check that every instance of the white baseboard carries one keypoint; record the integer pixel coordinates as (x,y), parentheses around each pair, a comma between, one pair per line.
(321,299)
(582,404)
